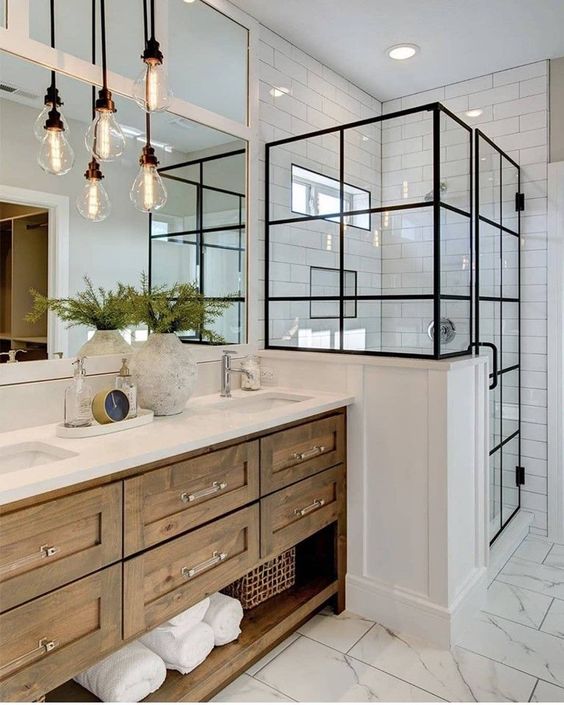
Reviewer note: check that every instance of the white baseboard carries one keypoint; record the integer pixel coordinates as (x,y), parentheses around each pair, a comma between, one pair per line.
(409,613)
(508,541)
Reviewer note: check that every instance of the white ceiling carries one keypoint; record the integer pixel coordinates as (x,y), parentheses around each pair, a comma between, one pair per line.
(459,39)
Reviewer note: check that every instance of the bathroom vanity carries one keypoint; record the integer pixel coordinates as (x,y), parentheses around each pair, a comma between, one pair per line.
(90,565)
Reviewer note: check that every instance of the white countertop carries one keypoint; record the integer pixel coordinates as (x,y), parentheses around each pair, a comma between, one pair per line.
(207,420)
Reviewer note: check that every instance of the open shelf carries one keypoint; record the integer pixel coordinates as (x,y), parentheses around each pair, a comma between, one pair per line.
(262,628)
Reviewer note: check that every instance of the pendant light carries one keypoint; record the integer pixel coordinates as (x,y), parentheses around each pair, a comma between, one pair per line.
(93,202)
(104,138)
(150,90)
(148,192)
(55,155)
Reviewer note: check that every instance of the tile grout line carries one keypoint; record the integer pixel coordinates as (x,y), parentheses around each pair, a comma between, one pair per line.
(277,655)
(277,690)
(534,689)
(545,616)
(508,619)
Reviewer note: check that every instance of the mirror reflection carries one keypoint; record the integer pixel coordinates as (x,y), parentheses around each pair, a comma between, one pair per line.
(46,245)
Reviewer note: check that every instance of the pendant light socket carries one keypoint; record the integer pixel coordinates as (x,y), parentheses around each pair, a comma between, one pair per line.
(104,102)
(52,97)
(148,157)
(54,121)
(93,171)
(152,53)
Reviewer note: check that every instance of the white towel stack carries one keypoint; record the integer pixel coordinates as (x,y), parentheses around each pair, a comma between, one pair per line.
(126,676)
(224,616)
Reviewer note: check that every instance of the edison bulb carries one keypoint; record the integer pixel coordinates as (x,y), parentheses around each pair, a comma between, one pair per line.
(104,138)
(93,202)
(55,156)
(151,90)
(148,192)
(39,125)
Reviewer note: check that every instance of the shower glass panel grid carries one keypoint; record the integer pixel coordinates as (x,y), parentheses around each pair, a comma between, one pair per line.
(199,236)
(369,237)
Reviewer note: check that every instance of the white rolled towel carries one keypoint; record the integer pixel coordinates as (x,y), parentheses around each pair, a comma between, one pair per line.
(224,616)
(190,617)
(126,676)
(181,649)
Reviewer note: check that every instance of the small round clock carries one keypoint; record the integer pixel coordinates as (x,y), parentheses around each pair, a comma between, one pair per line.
(110,405)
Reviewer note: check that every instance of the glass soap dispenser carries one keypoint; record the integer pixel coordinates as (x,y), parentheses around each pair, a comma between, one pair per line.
(124,382)
(78,398)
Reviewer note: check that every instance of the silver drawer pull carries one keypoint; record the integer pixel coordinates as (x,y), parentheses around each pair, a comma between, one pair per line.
(197,569)
(215,487)
(44,552)
(316,504)
(316,450)
(43,647)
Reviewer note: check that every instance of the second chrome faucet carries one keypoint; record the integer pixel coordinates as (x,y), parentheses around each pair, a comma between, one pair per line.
(227,371)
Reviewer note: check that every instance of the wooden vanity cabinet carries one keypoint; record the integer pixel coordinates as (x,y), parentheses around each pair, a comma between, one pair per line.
(85,570)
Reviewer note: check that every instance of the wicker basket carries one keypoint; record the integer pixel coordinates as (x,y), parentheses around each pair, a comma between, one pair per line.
(269,579)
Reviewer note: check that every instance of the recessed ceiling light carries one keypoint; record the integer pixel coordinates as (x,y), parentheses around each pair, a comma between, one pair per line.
(277,91)
(475,112)
(400,52)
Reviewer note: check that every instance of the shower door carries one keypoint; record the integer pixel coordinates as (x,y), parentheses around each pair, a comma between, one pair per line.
(499,203)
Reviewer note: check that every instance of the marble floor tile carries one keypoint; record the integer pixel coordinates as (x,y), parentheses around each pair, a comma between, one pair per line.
(554,620)
(341,632)
(457,676)
(540,578)
(529,650)
(255,668)
(247,689)
(555,557)
(533,549)
(547,693)
(515,603)
(308,671)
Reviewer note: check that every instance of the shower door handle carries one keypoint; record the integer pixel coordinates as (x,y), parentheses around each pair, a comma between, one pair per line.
(493,348)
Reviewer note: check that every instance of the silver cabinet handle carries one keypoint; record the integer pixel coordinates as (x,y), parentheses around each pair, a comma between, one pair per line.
(316,504)
(197,569)
(43,647)
(192,497)
(316,450)
(44,552)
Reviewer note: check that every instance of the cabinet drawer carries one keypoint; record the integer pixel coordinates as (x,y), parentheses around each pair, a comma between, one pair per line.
(292,514)
(48,640)
(50,544)
(171,500)
(165,580)
(296,453)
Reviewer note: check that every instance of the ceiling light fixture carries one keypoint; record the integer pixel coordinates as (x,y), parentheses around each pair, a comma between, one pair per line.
(150,90)
(475,112)
(93,202)
(278,91)
(104,138)
(401,52)
(148,192)
(55,155)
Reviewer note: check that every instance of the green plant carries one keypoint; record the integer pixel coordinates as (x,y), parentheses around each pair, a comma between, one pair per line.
(181,307)
(103,309)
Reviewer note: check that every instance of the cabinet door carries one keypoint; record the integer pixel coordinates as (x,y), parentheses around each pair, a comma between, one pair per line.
(296,453)
(181,496)
(48,640)
(51,544)
(164,581)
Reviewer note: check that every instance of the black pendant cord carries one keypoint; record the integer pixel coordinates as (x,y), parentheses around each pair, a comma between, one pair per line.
(52,19)
(103,38)
(93,56)
(153,19)
(148,129)
(145,24)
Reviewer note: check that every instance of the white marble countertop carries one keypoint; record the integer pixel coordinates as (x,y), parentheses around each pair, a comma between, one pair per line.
(207,420)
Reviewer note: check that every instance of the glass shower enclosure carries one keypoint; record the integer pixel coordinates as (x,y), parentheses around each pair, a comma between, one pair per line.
(368,237)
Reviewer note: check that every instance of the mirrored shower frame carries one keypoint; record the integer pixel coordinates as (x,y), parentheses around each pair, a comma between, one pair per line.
(435,204)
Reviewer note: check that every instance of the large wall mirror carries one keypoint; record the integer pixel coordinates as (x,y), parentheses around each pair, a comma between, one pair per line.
(199,235)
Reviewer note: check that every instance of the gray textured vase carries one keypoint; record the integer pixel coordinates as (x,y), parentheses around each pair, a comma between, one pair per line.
(166,374)
(105,342)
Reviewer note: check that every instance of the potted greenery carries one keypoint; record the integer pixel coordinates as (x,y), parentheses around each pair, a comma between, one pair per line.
(103,309)
(164,368)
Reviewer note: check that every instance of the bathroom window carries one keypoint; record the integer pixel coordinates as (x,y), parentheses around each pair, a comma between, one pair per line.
(316,194)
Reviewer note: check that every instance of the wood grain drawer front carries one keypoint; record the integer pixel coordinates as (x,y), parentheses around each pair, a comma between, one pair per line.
(296,453)
(171,500)
(163,581)
(296,512)
(50,544)
(48,640)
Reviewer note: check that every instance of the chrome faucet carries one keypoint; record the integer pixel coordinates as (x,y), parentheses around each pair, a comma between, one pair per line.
(227,371)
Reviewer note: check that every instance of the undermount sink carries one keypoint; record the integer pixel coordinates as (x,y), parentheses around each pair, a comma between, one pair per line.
(264,402)
(21,456)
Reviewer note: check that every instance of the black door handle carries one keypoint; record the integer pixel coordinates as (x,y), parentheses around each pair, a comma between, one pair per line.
(493,348)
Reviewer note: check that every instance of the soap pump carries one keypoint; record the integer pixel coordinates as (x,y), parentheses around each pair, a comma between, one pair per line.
(124,381)
(78,398)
